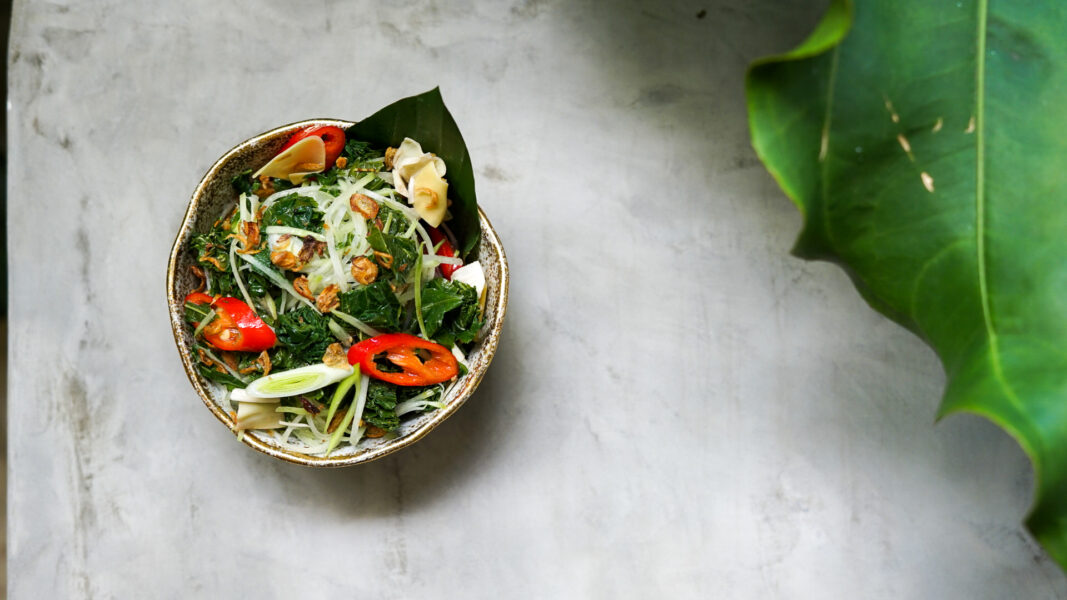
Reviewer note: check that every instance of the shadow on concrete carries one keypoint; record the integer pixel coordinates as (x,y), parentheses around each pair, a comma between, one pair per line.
(423,473)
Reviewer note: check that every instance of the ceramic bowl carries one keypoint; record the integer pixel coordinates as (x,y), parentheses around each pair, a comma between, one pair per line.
(209,200)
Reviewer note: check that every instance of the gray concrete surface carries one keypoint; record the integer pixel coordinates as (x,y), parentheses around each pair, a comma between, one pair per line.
(678,407)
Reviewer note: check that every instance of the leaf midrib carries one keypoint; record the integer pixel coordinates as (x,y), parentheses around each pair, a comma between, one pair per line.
(824,144)
(979,198)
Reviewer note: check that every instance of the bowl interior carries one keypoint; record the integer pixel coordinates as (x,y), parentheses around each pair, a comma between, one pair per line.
(211,200)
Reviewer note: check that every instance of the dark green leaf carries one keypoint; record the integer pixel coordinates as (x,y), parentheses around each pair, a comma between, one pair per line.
(439,297)
(282,359)
(243,183)
(280,185)
(223,284)
(328,180)
(405,393)
(393,221)
(256,283)
(925,152)
(194,313)
(450,312)
(294,210)
(374,304)
(247,360)
(380,409)
(376,184)
(376,239)
(263,265)
(357,151)
(425,119)
(305,333)
(212,251)
(222,377)
(463,325)
(403,251)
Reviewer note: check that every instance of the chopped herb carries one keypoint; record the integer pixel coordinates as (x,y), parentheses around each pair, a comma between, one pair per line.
(305,333)
(296,211)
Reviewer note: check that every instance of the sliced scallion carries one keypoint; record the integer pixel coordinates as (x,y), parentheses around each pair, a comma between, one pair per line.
(354,411)
(340,393)
(339,332)
(296,381)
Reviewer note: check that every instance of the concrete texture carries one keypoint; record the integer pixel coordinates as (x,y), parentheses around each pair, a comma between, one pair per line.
(678,407)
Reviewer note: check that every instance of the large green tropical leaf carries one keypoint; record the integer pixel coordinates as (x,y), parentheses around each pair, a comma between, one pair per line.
(925,142)
(425,118)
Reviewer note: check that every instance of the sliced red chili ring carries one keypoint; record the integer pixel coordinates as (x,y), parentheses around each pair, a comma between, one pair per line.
(236,326)
(421,362)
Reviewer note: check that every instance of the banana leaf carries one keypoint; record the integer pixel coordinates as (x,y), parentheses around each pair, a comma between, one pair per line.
(924,144)
(425,119)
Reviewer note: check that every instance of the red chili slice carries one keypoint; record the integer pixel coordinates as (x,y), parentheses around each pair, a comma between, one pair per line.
(445,250)
(332,137)
(236,327)
(403,350)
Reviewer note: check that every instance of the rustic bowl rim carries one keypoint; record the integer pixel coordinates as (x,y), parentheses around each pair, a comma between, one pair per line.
(489,239)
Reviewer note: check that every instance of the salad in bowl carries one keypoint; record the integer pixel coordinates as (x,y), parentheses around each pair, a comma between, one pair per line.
(330,297)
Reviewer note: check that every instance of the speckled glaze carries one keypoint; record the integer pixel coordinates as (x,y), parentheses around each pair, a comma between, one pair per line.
(211,197)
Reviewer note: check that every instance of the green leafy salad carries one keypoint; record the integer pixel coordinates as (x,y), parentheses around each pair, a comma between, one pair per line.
(333,303)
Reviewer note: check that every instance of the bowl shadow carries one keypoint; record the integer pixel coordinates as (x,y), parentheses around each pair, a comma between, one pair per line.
(418,475)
